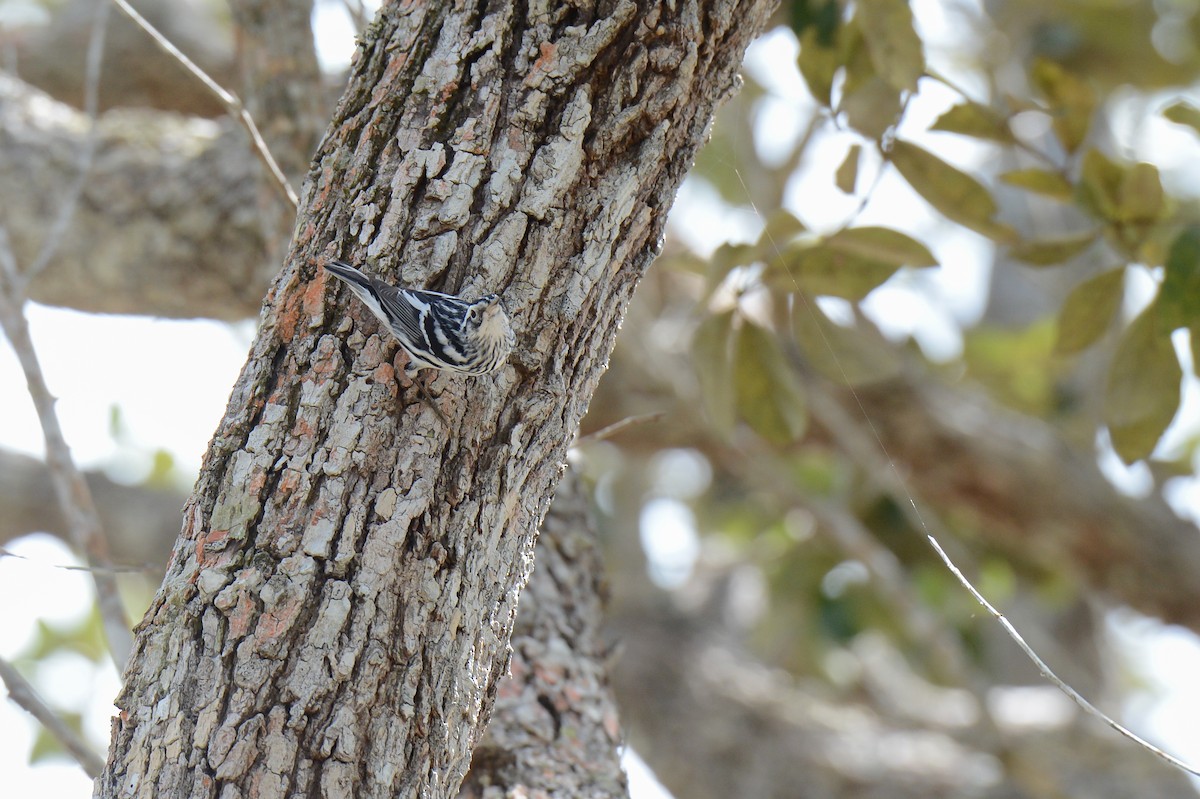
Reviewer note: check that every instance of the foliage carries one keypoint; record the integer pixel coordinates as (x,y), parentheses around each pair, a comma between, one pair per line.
(1055,197)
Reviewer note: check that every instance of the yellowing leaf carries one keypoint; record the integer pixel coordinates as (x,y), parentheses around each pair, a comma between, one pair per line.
(1142,194)
(1053,251)
(845,355)
(1088,311)
(975,119)
(711,345)
(895,48)
(1143,387)
(820,269)
(1182,112)
(882,244)
(818,65)
(769,396)
(951,191)
(847,173)
(1121,192)
(1040,181)
(1100,180)
(1072,102)
(871,106)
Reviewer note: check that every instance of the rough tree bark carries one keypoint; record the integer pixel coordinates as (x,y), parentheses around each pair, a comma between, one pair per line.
(337,611)
(555,730)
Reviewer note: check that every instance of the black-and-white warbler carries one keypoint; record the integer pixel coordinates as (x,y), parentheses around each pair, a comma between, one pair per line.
(439,331)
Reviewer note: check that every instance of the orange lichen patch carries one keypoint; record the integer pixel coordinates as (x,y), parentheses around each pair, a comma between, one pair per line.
(242,615)
(278,619)
(313,298)
(207,537)
(257,481)
(303,428)
(385,374)
(291,478)
(548,51)
(289,316)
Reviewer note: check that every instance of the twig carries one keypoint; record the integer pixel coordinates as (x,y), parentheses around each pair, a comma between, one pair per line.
(23,694)
(357,10)
(617,427)
(74,497)
(147,568)
(231,101)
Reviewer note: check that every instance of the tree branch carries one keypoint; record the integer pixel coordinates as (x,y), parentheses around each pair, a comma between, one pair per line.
(23,694)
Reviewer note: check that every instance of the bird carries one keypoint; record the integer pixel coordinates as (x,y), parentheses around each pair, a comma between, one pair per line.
(439,331)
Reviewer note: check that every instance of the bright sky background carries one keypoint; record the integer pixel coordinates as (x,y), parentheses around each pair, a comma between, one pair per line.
(171,381)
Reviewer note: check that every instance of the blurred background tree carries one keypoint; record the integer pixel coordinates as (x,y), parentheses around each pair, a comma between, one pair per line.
(938,271)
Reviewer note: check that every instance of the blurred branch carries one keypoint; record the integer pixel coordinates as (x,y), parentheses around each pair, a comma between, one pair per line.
(229,99)
(140,522)
(73,495)
(23,694)
(140,241)
(87,150)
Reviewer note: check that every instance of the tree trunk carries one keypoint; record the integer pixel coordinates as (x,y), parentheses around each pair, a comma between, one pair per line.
(337,611)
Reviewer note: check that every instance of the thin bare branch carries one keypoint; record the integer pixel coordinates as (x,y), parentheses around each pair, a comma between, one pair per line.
(617,427)
(230,100)
(23,694)
(1044,669)
(74,497)
(875,459)
(147,569)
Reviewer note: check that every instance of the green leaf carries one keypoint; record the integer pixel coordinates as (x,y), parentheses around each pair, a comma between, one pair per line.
(1143,387)
(1142,194)
(1014,364)
(954,193)
(725,259)
(769,396)
(1053,251)
(1089,310)
(845,355)
(782,226)
(850,263)
(871,107)
(977,120)
(895,48)
(818,269)
(1179,297)
(818,64)
(1182,112)
(1040,181)
(1072,102)
(1120,192)
(1100,180)
(714,369)
(882,244)
(847,173)
(823,16)
(870,103)
(47,747)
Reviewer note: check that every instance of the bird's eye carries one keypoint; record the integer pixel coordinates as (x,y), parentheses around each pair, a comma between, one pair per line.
(473,314)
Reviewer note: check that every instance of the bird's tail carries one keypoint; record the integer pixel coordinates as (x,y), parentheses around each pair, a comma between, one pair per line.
(343,270)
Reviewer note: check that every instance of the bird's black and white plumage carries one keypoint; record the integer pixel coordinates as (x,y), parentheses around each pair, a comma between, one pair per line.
(440,331)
